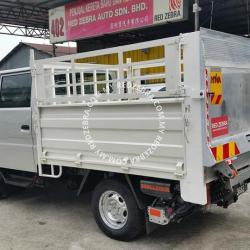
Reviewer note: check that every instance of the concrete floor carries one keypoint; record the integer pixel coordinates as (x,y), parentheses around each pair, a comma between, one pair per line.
(53,219)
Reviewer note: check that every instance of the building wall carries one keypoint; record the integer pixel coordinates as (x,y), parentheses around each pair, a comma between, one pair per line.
(21,58)
(40,55)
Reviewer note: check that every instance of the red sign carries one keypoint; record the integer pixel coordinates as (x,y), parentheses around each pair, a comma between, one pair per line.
(219,126)
(90,18)
(93,18)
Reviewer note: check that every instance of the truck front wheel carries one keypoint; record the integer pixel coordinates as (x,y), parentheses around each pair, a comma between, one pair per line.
(116,212)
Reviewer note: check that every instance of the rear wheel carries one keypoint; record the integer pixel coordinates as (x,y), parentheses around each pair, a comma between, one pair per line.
(116,212)
(3,189)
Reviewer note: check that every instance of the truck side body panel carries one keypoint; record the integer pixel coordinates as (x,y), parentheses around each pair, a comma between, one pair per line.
(122,137)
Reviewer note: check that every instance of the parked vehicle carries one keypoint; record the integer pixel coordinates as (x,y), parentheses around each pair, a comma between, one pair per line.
(151,156)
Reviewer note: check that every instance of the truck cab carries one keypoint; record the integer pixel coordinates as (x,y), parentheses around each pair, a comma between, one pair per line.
(16,139)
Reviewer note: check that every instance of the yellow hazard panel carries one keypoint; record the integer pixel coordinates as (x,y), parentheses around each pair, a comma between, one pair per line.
(144,54)
(225,151)
(152,53)
(216,86)
(110,59)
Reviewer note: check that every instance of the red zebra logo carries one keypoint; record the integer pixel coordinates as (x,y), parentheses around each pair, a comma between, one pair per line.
(175,4)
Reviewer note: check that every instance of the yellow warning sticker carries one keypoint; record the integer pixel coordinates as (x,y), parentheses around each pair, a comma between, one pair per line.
(216,86)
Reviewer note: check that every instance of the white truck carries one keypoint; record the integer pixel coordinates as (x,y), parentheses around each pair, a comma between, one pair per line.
(149,156)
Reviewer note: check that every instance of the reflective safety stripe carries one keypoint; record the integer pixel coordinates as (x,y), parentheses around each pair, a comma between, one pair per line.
(226,151)
(223,152)
(220,153)
(216,99)
(231,149)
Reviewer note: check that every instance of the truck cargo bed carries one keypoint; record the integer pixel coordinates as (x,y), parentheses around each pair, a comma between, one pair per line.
(198,121)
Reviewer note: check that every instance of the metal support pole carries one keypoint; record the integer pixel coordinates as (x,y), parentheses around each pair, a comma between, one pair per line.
(196,10)
(212,14)
(248,19)
(54,50)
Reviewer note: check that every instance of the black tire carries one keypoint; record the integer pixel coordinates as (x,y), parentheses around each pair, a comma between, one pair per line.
(3,189)
(135,224)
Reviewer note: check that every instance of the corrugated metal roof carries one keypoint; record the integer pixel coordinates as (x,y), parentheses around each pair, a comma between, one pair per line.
(48,49)
(32,13)
(59,50)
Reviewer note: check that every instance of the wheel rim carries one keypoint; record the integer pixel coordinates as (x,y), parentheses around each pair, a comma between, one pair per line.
(113,210)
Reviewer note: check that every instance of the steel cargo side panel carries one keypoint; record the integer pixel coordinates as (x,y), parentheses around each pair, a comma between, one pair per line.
(121,132)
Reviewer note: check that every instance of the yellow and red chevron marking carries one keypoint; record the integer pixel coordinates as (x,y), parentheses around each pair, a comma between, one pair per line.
(216,99)
(216,86)
(223,152)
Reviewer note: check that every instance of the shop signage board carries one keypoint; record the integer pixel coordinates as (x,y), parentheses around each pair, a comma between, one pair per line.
(92,18)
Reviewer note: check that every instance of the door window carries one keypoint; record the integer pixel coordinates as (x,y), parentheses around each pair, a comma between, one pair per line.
(15,91)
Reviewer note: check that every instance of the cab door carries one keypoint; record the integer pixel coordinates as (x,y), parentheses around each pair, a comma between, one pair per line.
(16,143)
